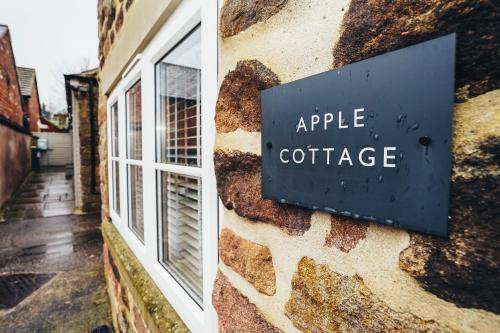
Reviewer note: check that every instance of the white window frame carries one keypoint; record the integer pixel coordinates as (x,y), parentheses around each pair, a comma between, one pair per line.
(187,16)
(112,159)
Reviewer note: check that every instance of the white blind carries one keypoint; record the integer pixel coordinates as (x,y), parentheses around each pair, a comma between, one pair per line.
(134,128)
(180,113)
(115,169)
(114,130)
(136,218)
(182,227)
(178,139)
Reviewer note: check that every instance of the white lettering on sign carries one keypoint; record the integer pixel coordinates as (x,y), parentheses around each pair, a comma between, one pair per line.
(366,156)
(388,157)
(371,159)
(345,157)
(281,156)
(328,150)
(298,161)
(358,117)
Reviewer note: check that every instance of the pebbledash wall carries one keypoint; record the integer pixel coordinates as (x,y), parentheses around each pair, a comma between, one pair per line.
(287,269)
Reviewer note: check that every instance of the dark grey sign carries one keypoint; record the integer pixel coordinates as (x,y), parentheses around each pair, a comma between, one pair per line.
(371,140)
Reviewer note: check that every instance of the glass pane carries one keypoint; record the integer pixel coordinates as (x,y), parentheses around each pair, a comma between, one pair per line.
(136,219)
(114,130)
(180,221)
(178,99)
(134,127)
(116,186)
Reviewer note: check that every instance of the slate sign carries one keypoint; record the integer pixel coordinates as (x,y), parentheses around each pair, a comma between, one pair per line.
(371,140)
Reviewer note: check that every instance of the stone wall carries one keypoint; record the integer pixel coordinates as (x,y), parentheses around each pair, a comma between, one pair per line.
(33,108)
(288,269)
(125,26)
(85,102)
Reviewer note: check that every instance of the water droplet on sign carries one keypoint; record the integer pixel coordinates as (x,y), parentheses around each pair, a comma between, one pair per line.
(316,109)
(375,137)
(415,126)
(380,178)
(282,200)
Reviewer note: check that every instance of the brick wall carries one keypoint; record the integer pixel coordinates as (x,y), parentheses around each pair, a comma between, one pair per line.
(15,161)
(33,108)
(10,95)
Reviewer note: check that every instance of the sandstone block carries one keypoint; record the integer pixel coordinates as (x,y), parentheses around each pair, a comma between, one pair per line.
(239,186)
(252,261)
(238,105)
(345,233)
(236,313)
(324,301)
(374,27)
(238,15)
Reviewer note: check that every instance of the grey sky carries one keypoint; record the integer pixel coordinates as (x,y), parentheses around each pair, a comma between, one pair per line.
(54,37)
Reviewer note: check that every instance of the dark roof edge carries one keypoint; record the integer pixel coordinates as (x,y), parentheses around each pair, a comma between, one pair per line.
(13,125)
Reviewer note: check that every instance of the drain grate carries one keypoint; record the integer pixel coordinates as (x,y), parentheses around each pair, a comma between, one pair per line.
(16,287)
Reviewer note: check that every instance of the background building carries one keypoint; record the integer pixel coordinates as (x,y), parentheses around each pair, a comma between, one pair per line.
(29,92)
(82,93)
(178,258)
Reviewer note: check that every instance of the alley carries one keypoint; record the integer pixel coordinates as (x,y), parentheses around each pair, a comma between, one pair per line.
(51,276)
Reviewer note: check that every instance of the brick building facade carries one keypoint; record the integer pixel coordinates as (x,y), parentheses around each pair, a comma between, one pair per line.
(30,97)
(268,266)
(11,107)
(15,154)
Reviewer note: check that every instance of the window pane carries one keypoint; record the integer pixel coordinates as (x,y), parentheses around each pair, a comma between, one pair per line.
(134,128)
(136,219)
(114,130)
(180,243)
(178,101)
(115,169)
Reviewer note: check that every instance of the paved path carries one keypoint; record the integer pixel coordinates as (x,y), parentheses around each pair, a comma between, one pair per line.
(45,194)
(51,270)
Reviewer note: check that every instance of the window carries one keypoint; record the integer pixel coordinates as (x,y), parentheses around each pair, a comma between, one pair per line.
(115,164)
(178,142)
(134,159)
(163,170)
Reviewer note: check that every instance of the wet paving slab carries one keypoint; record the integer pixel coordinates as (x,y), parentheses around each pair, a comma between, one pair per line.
(44,194)
(65,254)
(51,269)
